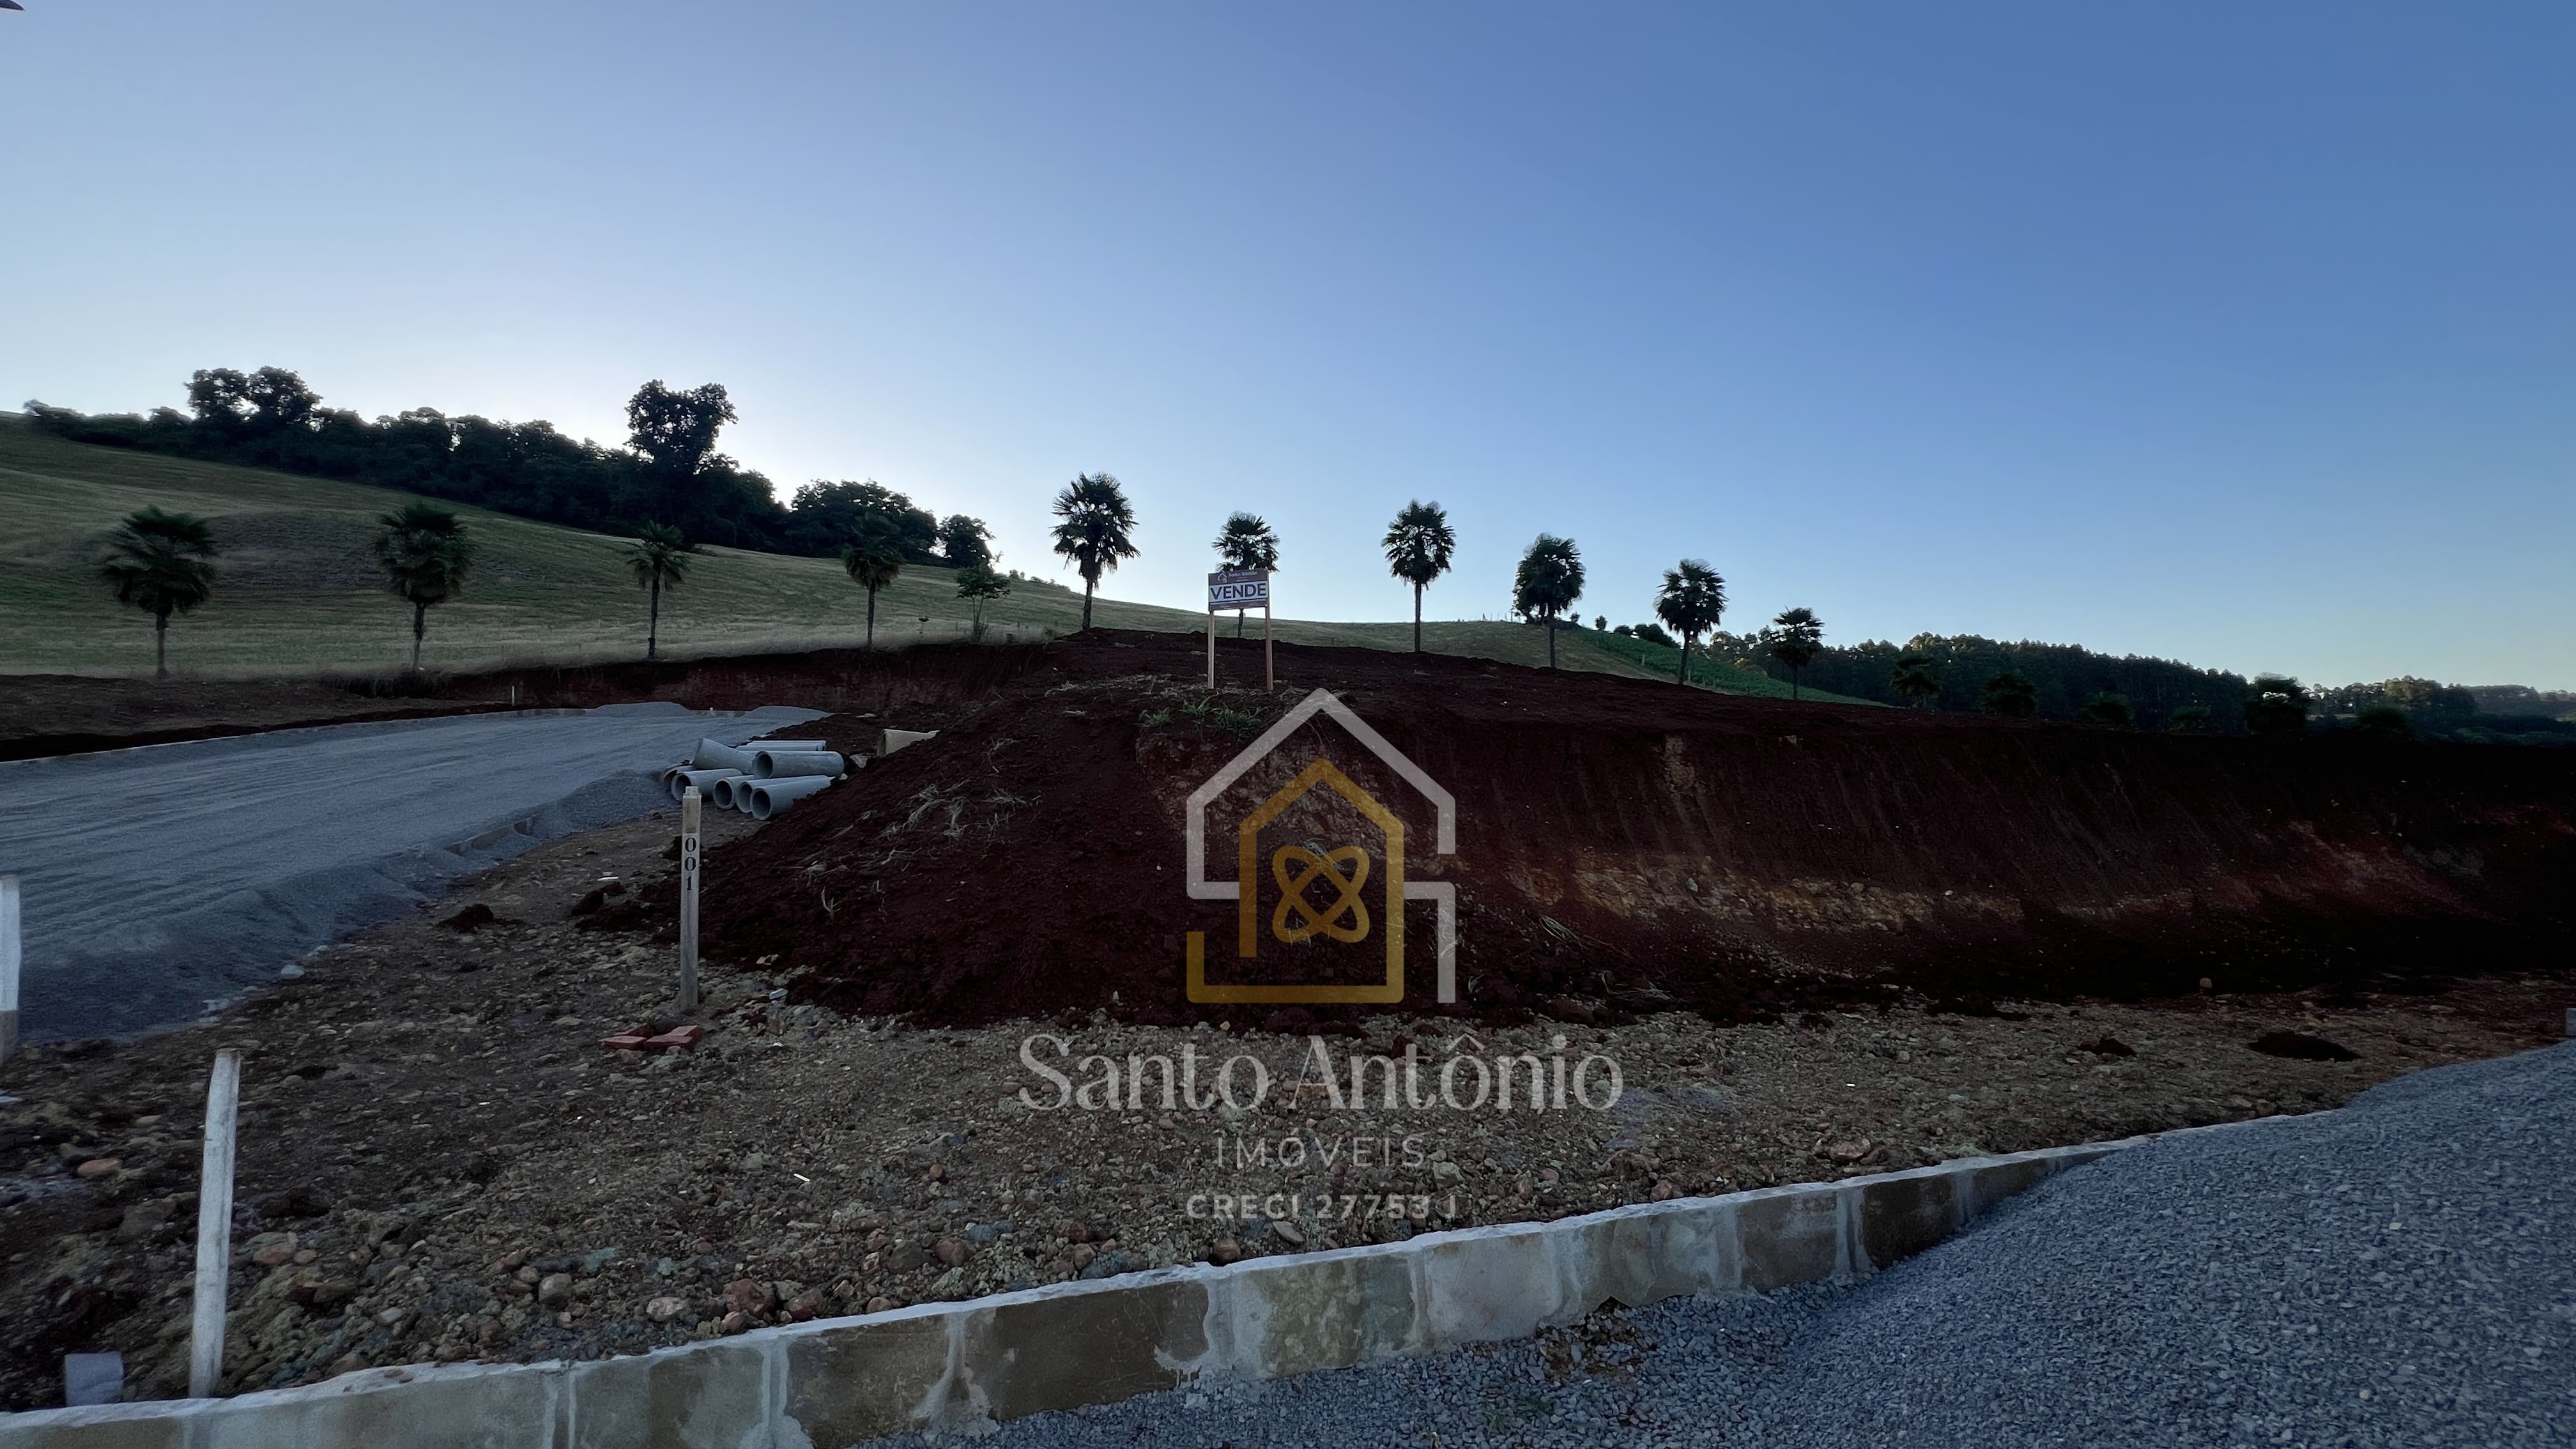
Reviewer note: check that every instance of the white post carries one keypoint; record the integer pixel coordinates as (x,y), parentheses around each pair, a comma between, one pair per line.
(1211,646)
(10,960)
(1269,658)
(689,899)
(214,1228)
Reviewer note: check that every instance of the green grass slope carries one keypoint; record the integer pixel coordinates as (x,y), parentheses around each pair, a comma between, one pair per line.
(300,593)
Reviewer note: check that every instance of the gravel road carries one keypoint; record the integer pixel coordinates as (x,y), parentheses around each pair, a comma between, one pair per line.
(2399,1272)
(157,881)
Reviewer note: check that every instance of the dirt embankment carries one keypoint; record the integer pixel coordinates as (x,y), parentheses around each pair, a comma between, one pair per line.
(1625,846)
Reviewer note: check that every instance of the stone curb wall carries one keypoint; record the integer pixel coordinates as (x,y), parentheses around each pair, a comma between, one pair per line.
(836,1382)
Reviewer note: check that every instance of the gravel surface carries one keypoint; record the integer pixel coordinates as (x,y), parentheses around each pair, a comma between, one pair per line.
(159,881)
(2401,1272)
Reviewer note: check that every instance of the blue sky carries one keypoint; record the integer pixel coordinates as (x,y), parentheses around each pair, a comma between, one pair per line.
(2244,335)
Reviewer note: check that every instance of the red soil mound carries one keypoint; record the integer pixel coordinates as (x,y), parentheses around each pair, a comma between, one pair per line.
(1623,845)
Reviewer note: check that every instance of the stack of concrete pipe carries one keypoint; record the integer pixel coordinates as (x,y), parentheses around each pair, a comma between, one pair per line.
(762,778)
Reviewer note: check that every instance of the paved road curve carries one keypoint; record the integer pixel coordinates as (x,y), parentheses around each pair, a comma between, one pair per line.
(2400,1272)
(158,880)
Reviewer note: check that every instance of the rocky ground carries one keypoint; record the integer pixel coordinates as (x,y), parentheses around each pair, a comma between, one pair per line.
(439,1159)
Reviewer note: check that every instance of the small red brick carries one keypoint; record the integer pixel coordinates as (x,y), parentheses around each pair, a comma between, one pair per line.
(626,1041)
(684,1038)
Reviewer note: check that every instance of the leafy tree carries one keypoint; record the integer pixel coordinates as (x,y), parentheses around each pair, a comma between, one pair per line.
(271,400)
(1692,600)
(965,542)
(2191,719)
(673,434)
(2384,722)
(2109,708)
(1094,528)
(1601,622)
(2278,706)
(1915,679)
(872,558)
(163,564)
(660,558)
(425,554)
(1418,546)
(1245,544)
(834,513)
(2011,695)
(675,431)
(1548,581)
(2409,692)
(1654,634)
(1795,638)
(977,581)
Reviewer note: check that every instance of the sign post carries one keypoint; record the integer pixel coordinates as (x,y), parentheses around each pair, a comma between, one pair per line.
(10,959)
(214,1229)
(1236,591)
(689,855)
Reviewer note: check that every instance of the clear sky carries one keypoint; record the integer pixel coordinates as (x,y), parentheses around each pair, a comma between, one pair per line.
(2239,334)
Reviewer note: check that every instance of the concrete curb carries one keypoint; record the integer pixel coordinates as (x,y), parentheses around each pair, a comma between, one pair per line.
(837,1382)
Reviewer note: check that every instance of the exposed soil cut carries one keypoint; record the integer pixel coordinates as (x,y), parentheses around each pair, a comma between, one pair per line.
(1627,847)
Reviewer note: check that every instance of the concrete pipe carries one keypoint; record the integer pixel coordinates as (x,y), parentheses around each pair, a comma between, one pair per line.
(770,797)
(894,740)
(780,764)
(716,755)
(705,780)
(722,795)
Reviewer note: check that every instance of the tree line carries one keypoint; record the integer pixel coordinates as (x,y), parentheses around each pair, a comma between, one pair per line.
(673,491)
(669,472)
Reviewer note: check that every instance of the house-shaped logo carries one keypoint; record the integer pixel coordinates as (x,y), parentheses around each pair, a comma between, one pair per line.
(1342,873)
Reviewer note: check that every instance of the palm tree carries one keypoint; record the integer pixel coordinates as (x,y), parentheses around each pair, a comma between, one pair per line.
(1246,545)
(660,557)
(1796,637)
(1418,547)
(1914,678)
(1692,600)
(979,582)
(161,563)
(425,554)
(872,558)
(1096,520)
(1548,581)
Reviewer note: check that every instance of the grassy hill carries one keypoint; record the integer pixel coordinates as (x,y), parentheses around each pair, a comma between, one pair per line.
(300,593)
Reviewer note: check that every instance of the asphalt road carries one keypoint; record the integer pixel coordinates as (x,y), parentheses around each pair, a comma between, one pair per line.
(158,881)
(2402,1271)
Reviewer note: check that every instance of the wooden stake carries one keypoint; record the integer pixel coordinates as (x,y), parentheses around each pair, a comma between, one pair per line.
(689,899)
(1211,646)
(214,1228)
(10,959)
(1269,669)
